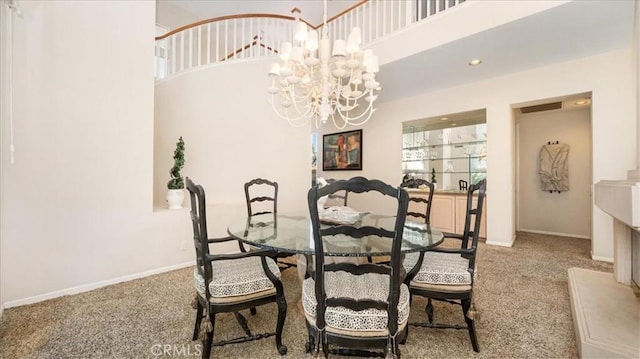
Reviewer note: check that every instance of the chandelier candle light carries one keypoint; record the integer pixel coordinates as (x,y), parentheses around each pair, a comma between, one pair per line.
(314,82)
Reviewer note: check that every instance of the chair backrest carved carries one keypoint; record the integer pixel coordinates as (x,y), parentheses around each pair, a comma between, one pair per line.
(425,202)
(261,196)
(324,233)
(475,202)
(463,185)
(200,235)
(340,198)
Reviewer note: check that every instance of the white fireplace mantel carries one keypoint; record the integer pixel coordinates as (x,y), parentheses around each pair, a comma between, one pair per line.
(620,199)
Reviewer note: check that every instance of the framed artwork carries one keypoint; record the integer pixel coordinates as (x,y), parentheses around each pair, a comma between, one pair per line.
(342,151)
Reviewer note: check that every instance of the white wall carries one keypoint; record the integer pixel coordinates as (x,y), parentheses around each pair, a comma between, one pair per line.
(231,135)
(567,213)
(172,17)
(4,113)
(78,198)
(613,114)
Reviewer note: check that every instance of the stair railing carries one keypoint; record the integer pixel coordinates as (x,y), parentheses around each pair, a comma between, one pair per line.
(247,36)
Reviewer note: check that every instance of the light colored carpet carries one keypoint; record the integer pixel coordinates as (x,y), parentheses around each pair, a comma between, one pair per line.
(521,294)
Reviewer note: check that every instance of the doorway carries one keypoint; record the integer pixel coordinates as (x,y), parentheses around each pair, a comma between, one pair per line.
(561,124)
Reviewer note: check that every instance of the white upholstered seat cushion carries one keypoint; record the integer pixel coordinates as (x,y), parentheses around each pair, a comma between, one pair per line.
(237,277)
(440,268)
(368,322)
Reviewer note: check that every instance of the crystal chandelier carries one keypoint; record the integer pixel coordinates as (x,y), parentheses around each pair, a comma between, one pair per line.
(313,82)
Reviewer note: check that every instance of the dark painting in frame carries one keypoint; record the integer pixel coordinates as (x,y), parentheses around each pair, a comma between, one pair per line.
(342,151)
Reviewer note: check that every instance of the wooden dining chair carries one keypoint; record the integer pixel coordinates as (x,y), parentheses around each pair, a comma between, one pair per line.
(338,198)
(447,274)
(419,208)
(463,185)
(355,306)
(424,203)
(231,282)
(262,198)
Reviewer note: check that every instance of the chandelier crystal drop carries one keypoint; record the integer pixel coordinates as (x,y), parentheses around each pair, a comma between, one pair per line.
(313,82)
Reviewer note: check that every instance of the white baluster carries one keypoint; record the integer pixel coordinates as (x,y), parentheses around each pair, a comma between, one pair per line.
(384,18)
(208,43)
(235,38)
(173,54)
(391,17)
(182,51)
(217,41)
(199,45)
(242,39)
(190,48)
(399,14)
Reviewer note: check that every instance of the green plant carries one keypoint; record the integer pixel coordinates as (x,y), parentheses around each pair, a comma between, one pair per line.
(433,175)
(176,181)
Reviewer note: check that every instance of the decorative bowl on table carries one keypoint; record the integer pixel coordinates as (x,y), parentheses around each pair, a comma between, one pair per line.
(340,215)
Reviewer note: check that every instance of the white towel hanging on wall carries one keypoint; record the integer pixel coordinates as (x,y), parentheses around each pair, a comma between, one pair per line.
(554,167)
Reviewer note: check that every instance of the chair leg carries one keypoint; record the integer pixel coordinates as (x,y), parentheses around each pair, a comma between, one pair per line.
(325,346)
(208,341)
(253,311)
(310,346)
(318,337)
(243,323)
(196,328)
(282,315)
(429,310)
(466,304)
(406,335)
(395,351)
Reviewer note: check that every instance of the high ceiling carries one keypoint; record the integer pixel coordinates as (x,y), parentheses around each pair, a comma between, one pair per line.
(312,10)
(571,31)
(574,30)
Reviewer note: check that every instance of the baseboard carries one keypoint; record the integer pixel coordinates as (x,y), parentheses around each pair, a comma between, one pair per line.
(91,286)
(501,244)
(559,234)
(602,259)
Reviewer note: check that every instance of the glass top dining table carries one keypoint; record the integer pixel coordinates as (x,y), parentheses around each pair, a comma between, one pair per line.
(292,234)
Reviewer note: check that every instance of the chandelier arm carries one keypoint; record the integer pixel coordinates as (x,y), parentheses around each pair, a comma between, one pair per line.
(364,93)
(292,121)
(351,123)
(300,97)
(369,109)
(308,107)
(335,124)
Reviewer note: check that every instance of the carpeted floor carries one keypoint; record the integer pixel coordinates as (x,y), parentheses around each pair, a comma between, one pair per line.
(521,294)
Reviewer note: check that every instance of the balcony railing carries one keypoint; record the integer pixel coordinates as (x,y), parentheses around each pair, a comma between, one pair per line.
(248,36)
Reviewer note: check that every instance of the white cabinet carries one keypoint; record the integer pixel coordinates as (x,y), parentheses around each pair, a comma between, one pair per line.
(443,211)
(448,211)
(461,209)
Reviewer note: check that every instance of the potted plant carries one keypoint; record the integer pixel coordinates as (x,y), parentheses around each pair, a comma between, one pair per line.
(175,194)
(433,177)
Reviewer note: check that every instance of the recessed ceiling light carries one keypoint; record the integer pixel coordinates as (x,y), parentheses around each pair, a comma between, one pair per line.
(582,102)
(454,124)
(475,62)
(444,118)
